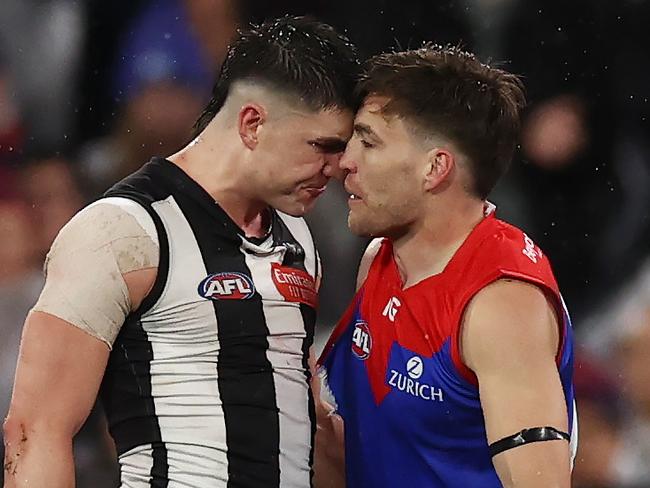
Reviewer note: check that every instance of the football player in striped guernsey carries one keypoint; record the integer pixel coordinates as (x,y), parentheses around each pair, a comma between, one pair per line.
(187,295)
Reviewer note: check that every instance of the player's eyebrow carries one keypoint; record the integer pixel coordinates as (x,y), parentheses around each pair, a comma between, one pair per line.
(364,130)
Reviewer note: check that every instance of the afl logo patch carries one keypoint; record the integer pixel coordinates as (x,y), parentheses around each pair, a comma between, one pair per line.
(227,286)
(361,340)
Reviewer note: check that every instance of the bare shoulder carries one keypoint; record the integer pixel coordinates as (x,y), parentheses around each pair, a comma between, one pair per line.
(508,319)
(509,295)
(367,259)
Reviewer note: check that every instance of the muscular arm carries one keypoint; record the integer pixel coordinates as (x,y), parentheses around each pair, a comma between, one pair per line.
(58,375)
(62,360)
(509,339)
(60,368)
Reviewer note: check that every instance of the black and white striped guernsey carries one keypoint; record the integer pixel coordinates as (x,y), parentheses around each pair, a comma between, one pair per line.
(207,384)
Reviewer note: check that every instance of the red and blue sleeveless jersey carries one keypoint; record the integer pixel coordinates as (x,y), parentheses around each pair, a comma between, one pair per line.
(411,407)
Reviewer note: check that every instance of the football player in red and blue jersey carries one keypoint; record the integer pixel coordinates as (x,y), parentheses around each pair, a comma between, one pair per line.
(452,366)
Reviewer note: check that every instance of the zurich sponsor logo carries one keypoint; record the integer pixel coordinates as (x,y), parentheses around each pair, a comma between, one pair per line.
(227,286)
(414,367)
(409,384)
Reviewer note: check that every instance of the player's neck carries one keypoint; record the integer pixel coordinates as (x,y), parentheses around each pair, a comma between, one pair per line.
(427,250)
(213,164)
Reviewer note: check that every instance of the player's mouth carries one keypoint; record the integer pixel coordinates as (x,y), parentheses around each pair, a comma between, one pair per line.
(354,196)
(354,200)
(315,191)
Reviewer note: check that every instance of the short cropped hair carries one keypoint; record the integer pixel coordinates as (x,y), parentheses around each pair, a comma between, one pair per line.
(298,56)
(448,92)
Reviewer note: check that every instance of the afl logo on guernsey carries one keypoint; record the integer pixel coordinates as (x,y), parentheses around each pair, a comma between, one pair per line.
(361,340)
(227,286)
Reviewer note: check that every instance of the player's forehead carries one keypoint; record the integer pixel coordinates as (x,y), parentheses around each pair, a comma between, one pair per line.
(329,122)
(372,116)
(374,104)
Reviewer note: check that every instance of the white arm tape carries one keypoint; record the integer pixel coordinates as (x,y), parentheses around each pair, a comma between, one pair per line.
(84,269)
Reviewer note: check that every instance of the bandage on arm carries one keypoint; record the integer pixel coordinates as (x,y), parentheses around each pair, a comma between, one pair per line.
(63,352)
(86,265)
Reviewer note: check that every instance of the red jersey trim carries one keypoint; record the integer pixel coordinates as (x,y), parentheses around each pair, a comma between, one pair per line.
(341,327)
(345,320)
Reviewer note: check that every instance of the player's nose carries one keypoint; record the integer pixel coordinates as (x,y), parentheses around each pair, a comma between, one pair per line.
(332,167)
(347,162)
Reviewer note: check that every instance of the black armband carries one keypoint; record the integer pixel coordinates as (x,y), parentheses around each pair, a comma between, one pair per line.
(526,436)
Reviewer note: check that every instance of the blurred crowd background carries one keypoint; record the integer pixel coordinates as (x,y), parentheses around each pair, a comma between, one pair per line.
(90,90)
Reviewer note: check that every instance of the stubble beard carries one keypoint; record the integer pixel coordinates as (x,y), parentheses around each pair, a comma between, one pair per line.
(391,226)
(359,225)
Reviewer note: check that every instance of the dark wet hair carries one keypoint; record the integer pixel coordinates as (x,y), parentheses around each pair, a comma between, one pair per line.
(448,92)
(295,55)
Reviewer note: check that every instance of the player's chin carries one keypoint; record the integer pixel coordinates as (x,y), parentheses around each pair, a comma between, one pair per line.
(296,207)
(359,225)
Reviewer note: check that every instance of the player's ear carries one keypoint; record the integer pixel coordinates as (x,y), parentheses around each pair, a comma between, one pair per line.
(250,120)
(440,164)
